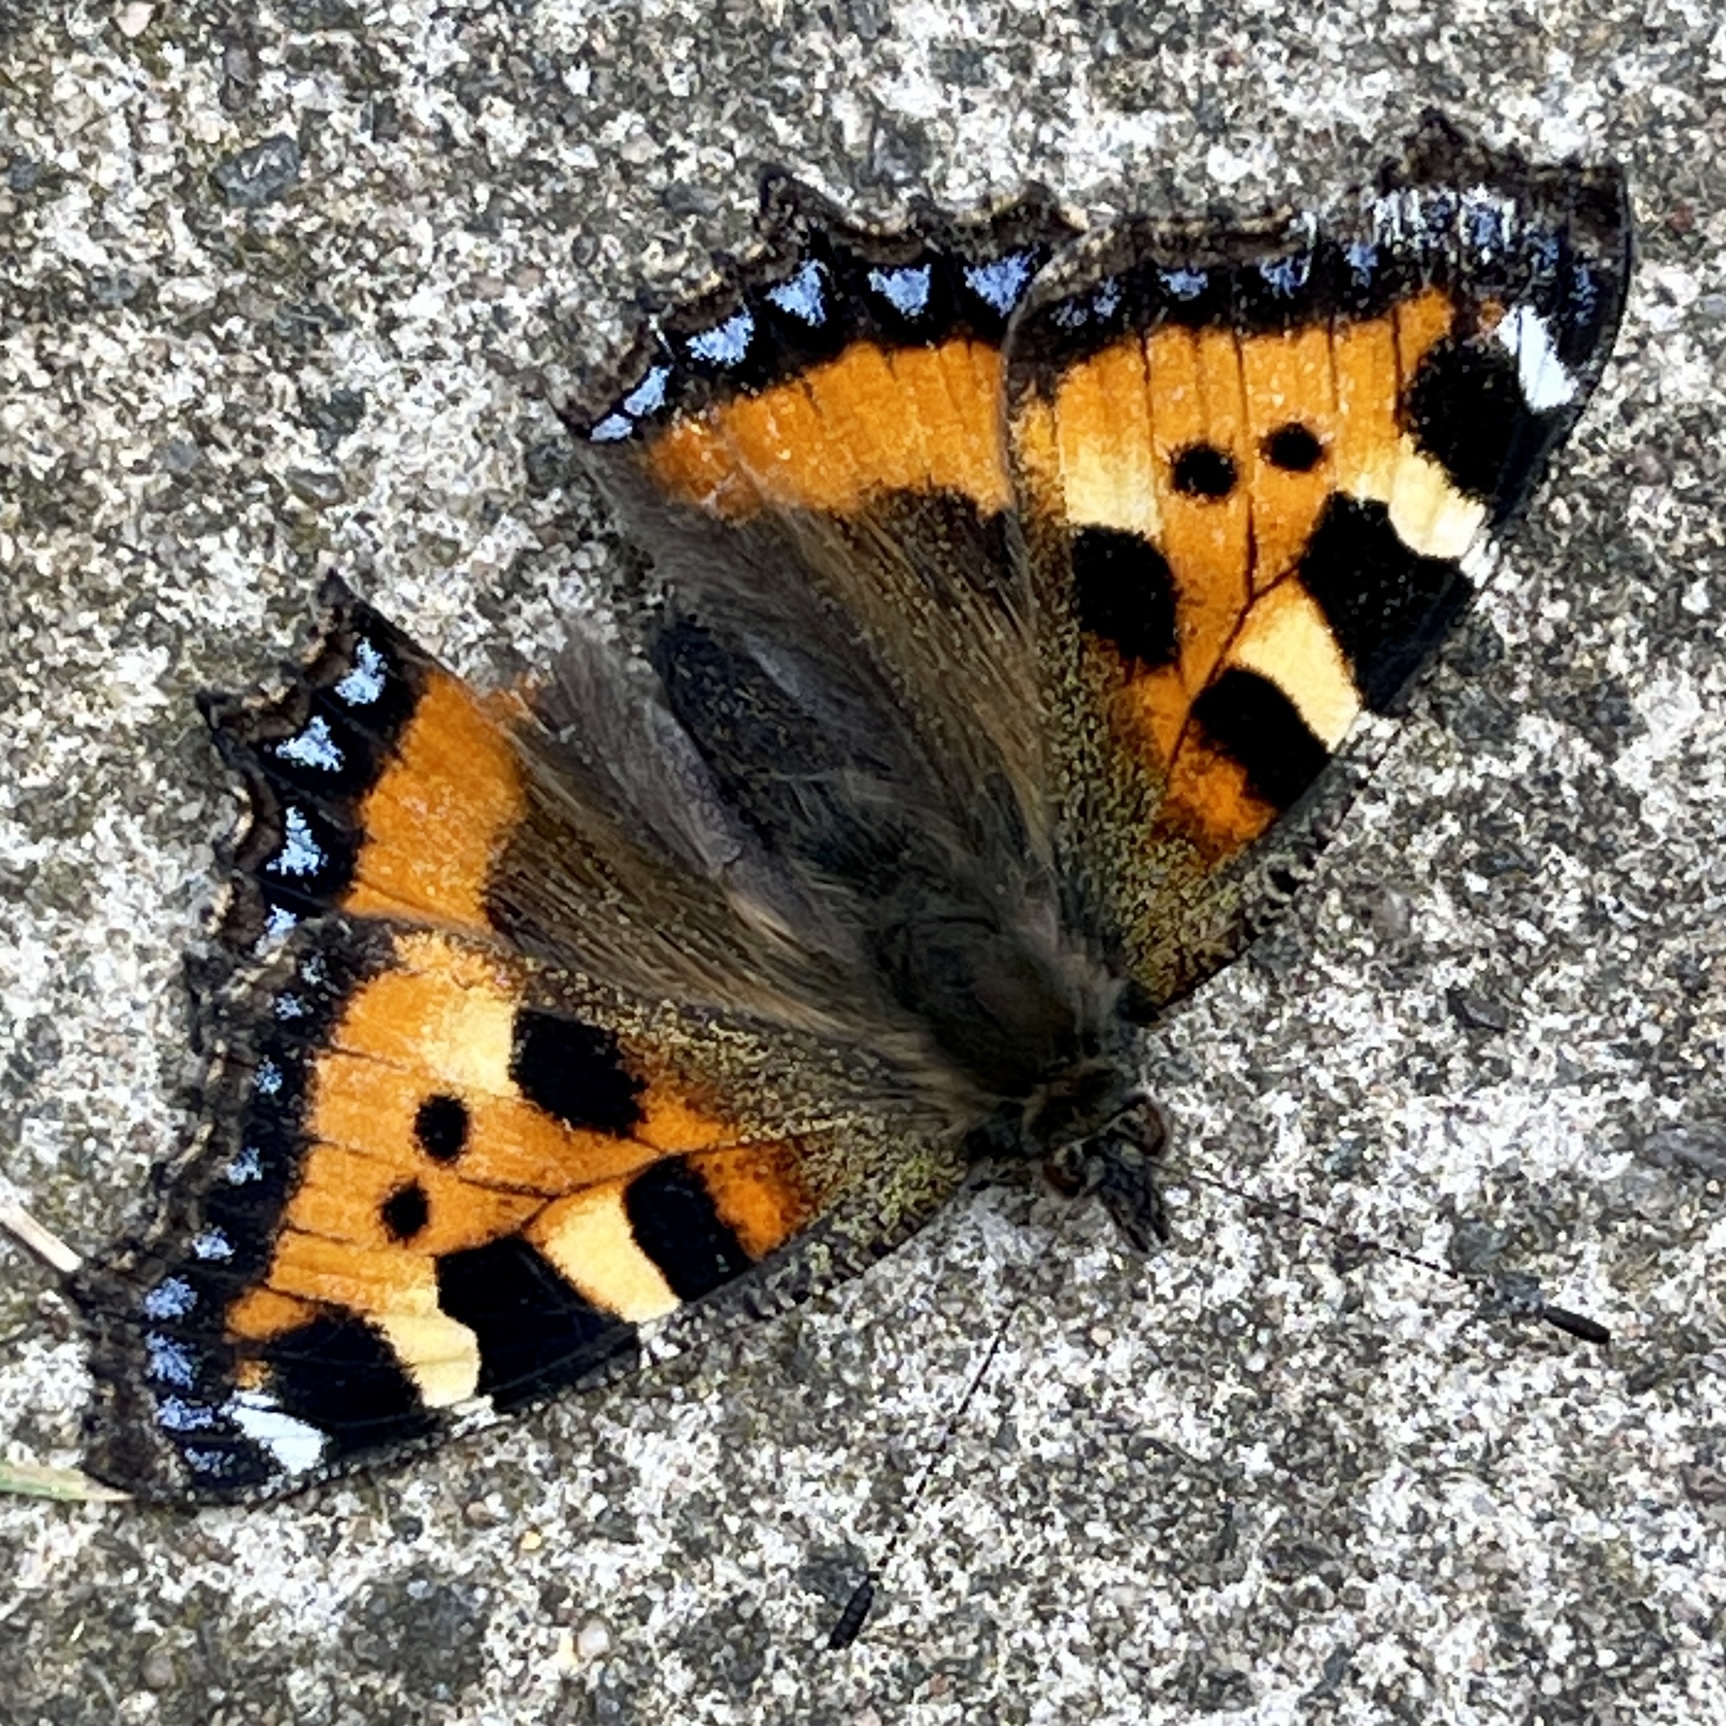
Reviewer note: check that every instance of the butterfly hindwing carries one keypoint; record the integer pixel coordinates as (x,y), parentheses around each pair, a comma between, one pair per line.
(847,640)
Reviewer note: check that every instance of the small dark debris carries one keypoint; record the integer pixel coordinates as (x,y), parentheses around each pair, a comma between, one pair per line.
(1474,1246)
(682,199)
(1478,1012)
(870,20)
(1698,1145)
(314,486)
(114,287)
(179,456)
(1392,914)
(238,78)
(1704,1483)
(421,1631)
(1646,467)
(333,417)
(1498,860)
(548,465)
(899,151)
(306,321)
(261,174)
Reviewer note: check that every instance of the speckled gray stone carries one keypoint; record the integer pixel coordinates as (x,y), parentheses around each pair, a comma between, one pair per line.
(288,288)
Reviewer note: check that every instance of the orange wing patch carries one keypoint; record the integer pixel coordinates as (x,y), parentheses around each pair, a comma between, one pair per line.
(440,811)
(1194,468)
(429,1132)
(873,420)
(381,786)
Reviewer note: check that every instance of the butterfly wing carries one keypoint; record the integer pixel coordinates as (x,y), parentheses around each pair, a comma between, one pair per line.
(1259,472)
(436,1177)
(813,455)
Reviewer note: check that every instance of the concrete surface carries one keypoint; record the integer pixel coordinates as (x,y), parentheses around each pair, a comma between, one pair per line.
(285,288)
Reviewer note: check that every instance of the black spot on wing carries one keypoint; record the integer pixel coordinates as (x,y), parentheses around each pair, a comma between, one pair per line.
(674,1222)
(339,1375)
(1466,409)
(1125,592)
(1250,720)
(1387,606)
(1294,448)
(406,1212)
(576,1072)
(441,1127)
(536,1333)
(1202,470)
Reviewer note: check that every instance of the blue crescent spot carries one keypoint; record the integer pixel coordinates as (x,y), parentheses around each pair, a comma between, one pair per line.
(247,1166)
(300,853)
(177,1415)
(170,1360)
(212,1244)
(612,429)
(1287,276)
(364,682)
(277,924)
(648,396)
(1184,284)
(725,344)
(267,1081)
(802,295)
(1002,283)
(313,747)
(172,1297)
(215,1463)
(905,289)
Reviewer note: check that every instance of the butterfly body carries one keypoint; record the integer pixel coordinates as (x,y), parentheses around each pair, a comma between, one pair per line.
(1025,597)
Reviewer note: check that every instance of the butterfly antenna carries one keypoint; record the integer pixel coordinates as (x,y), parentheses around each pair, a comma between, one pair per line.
(1511,1294)
(39,1242)
(849,1624)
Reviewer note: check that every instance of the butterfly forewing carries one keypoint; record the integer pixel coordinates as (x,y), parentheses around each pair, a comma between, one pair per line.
(1258,472)
(436,1177)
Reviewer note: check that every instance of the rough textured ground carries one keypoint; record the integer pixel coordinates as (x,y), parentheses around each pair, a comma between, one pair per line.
(286,288)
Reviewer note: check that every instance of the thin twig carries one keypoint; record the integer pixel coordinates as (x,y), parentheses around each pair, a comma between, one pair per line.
(42,1242)
(32,1480)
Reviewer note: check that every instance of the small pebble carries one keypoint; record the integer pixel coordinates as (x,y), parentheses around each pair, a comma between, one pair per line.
(314,486)
(158,1669)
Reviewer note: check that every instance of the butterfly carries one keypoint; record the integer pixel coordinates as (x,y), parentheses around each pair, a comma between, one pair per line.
(1030,601)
